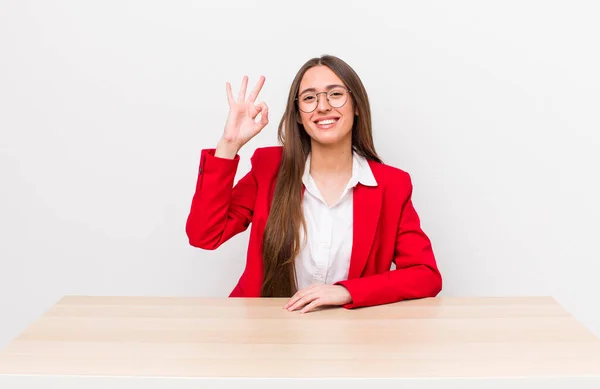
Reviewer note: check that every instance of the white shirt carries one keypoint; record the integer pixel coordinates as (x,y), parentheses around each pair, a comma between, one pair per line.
(326,257)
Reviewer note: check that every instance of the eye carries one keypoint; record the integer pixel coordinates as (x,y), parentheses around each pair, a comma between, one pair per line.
(308,98)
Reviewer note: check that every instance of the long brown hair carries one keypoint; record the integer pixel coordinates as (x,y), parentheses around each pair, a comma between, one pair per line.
(281,241)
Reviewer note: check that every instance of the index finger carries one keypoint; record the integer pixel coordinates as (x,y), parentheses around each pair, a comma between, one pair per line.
(230,97)
(292,300)
(256,89)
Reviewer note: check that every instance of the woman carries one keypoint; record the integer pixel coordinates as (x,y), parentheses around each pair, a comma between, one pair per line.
(328,217)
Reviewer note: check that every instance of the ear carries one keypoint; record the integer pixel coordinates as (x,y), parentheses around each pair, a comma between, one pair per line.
(298,118)
(356,111)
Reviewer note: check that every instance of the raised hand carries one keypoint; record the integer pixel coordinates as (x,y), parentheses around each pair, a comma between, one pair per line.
(241,124)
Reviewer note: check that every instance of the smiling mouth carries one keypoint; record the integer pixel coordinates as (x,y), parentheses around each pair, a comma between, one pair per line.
(326,124)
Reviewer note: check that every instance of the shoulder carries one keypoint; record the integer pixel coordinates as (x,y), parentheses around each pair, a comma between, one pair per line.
(266,160)
(391,177)
(268,152)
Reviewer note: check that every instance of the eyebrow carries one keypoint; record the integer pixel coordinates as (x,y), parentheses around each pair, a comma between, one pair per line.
(328,87)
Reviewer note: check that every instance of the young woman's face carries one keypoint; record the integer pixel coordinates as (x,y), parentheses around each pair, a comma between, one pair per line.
(326,122)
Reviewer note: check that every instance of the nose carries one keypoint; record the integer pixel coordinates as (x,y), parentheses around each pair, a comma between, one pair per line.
(322,103)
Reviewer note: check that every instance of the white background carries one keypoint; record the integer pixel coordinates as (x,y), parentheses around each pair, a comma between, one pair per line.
(492,107)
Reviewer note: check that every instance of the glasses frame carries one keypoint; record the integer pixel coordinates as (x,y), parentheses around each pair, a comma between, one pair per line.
(326,96)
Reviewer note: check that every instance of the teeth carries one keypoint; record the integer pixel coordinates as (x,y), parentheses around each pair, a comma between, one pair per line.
(330,121)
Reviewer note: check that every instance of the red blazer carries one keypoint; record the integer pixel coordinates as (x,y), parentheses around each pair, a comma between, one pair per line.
(386,228)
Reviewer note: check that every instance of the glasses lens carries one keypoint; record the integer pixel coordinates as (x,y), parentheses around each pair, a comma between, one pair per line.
(307,102)
(337,97)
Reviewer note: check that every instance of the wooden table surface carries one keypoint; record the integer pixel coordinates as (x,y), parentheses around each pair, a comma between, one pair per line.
(255,338)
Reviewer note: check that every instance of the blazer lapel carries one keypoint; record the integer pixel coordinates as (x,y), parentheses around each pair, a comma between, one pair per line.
(367,207)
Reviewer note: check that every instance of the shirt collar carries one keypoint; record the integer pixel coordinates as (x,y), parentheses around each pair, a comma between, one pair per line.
(365,174)
(361,172)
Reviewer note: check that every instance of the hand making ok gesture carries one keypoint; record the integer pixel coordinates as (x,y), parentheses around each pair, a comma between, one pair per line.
(241,125)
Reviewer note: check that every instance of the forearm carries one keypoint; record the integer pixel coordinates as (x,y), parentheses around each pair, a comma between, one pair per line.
(413,282)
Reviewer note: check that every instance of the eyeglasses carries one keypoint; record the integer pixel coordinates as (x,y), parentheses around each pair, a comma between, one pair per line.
(336,98)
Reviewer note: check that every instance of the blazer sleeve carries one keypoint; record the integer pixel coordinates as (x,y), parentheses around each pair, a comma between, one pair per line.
(220,210)
(416,274)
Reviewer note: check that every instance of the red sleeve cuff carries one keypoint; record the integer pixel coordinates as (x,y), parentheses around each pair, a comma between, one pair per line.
(348,285)
(210,163)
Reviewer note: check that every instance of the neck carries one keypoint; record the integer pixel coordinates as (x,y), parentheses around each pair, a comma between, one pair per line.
(331,159)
